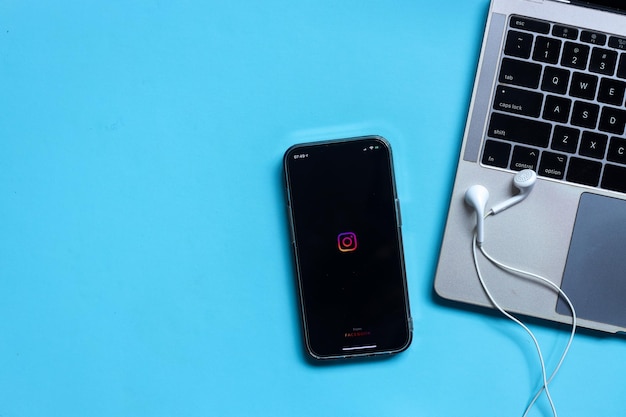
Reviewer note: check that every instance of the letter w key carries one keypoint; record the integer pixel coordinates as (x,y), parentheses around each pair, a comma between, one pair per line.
(584,86)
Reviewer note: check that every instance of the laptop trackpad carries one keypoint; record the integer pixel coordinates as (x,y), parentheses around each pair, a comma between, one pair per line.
(595,273)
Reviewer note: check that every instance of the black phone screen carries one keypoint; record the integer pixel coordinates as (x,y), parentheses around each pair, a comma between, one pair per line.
(348,247)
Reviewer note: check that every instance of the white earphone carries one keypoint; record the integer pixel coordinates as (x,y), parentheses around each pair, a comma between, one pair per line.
(524,181)
(477,196)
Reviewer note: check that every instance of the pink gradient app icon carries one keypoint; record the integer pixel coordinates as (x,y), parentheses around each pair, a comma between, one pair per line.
(346,242)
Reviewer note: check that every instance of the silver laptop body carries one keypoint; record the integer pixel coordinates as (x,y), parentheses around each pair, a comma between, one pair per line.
(548,95)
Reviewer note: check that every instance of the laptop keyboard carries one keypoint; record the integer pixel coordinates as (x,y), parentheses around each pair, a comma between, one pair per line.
(558,106)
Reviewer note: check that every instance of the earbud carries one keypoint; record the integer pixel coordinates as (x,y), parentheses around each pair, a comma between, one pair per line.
(524,181)
(476,197)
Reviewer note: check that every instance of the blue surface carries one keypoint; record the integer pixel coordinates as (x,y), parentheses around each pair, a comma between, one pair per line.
(145,268)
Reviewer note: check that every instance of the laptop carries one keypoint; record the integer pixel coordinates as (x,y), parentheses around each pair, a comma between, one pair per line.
(549,95)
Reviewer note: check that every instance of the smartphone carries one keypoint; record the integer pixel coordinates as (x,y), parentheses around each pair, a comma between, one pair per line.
(346,236)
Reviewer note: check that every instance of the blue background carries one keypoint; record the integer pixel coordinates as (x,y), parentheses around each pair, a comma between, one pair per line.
(145,266)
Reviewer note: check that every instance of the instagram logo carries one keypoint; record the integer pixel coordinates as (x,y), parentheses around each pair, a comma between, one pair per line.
(346,242)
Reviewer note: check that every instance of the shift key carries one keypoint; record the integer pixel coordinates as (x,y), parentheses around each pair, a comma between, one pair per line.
(518,129)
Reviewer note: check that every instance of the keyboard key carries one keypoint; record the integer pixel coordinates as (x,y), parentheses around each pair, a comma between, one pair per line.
(496,154)
(515,100)
(617,43)
(565,32)
(552,165)
(555,80)
(583,86)
(614,178)
(547,50)
(603,61)
(621,68)
(520,130)
(595,38)
(565,139)
(593,145)
(584,171)
(617,150)
(524,158)
(518,44)
(575,55)
(585,114)
(524,74)
(612,120)
(532,25)
(611,91)
(557,109)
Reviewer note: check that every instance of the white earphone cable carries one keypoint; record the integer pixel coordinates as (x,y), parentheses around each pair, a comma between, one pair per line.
(509,316)
(543,281)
